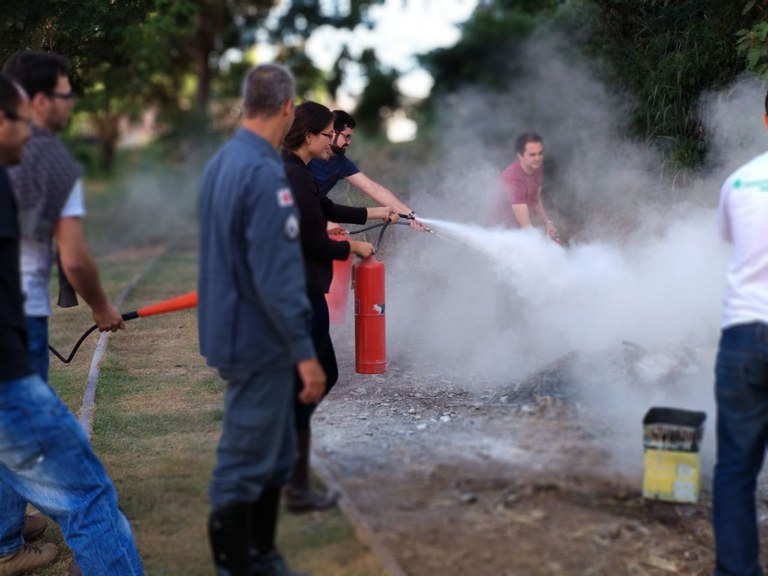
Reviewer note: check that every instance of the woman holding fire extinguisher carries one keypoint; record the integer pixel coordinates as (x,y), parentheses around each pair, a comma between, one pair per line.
(310,137)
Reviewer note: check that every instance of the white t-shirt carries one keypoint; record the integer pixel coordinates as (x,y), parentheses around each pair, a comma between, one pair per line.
(743,222)
(37,260)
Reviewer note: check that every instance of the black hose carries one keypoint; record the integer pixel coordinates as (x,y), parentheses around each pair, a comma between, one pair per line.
(383,226)
(74,350)
(374,226)
(126,316)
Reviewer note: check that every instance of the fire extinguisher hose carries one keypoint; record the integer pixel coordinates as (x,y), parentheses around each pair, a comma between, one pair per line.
(182,302)
(383,226)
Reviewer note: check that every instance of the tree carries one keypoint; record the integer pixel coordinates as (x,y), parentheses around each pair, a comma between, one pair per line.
(129,55)
(753,41)
(380,95)
(667,53)
(485,54)
(100,38)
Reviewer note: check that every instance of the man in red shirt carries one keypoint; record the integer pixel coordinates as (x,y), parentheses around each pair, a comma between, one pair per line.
(520,187)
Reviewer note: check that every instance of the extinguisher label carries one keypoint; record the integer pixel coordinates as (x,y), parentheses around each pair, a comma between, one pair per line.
(378,308)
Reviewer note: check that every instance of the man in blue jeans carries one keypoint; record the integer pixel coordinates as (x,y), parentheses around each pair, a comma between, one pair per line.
(45,457)
(741,386)
(48,187)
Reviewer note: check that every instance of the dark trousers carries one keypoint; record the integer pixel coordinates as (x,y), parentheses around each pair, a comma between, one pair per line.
(321,337)
(741,390)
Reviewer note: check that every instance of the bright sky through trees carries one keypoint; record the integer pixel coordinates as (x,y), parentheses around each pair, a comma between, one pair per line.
(401,30)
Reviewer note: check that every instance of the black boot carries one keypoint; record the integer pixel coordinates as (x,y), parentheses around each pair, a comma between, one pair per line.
(300,496)
(266,560)
(230,537)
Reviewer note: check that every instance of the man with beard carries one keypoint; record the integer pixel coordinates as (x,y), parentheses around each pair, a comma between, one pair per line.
(329,172)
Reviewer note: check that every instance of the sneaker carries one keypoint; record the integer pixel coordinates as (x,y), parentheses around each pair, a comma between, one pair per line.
(31,557)
(74,569)
(34,526)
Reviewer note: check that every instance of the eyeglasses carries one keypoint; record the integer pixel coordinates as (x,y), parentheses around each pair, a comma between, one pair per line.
(63,95)
(347,137)
(328,135)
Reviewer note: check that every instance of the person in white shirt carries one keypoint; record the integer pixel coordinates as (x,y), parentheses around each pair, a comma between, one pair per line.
(741,370)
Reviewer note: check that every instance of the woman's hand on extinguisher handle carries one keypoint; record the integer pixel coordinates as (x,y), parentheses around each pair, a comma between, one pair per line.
(362,249)
(313,380)
(383,213)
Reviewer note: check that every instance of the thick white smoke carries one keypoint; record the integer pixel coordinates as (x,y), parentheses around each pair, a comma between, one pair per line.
(644,269)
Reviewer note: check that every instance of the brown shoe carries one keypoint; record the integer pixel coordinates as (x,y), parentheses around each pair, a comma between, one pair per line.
(34,526)
(31,557)
(74,570)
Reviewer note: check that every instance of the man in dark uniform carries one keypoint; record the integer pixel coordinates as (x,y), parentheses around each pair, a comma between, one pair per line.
(254,325)
(45,457)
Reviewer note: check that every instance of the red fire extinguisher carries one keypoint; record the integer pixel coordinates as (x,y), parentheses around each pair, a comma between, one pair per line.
(370,330)
(338,295)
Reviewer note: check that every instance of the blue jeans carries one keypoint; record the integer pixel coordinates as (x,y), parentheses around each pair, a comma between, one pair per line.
(37,336)
(257,448)
(47,460)
(741,391)
(13,506)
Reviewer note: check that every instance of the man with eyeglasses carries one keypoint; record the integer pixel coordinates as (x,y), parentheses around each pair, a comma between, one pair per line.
(329,172)
(49,193)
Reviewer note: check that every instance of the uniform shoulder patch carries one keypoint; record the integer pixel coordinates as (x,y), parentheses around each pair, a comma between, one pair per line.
(284,197)
(291,227)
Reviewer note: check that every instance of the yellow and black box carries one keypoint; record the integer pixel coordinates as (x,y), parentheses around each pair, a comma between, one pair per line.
(672,466)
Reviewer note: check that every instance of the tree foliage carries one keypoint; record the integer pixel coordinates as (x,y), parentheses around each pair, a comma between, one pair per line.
(753,41)
(302,17)
(129,55)
(667,53)
(103,41)
(485,54)
(380,97)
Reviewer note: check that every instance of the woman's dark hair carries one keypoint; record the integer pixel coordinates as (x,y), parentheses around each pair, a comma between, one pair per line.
(10,98)
(311,118)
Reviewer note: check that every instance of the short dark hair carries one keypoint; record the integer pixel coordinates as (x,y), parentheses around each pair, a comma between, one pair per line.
(341,120)
(311,118)
(10,94)
(37,71)
(526,138)
(266,88)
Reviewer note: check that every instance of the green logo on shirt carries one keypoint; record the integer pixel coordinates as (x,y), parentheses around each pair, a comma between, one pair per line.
(761,184)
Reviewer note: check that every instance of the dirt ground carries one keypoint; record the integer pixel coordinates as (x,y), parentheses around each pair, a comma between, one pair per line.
(472,479)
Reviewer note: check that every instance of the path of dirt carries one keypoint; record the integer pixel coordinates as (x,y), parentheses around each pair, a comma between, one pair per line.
(481,481)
